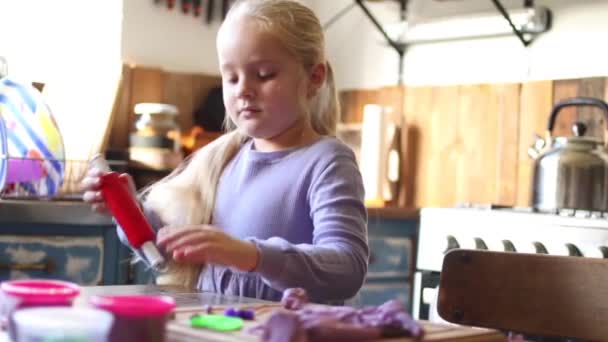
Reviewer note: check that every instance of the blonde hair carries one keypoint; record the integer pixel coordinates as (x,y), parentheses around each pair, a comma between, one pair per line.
(187,196)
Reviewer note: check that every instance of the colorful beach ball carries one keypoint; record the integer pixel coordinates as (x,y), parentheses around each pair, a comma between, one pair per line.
(32,154)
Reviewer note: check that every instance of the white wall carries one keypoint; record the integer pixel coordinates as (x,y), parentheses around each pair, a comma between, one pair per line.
(152,35)
(359,53)
(77,47)
(74,47)
(573,48)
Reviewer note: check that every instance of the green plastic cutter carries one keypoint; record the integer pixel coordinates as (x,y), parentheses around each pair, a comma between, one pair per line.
(216,322)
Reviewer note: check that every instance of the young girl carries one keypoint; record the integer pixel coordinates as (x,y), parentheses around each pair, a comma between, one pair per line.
(277,202)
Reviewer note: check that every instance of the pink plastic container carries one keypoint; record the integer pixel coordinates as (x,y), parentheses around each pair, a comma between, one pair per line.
(40,292)
(19,294)
(136,318)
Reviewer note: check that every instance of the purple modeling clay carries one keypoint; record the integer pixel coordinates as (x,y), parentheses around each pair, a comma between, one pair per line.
(340,323)
(247,315)
(240,313)
(286,327)
(231,312)
(294,298)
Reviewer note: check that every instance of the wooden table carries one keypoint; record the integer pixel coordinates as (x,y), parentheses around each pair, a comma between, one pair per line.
(189,303)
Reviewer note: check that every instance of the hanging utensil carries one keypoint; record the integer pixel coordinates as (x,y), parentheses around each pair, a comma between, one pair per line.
(196,7)
(186,5)
(210,5)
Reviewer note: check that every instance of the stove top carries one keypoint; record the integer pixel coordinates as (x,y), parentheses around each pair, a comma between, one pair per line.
(521,230)
(558,212)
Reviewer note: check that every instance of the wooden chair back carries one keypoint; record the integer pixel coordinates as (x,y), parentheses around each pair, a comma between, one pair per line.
(535,294)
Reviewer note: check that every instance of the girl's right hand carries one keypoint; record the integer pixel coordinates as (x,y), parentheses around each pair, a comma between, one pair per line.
(91,185)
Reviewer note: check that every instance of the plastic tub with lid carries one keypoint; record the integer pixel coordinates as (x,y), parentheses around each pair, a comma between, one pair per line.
(20,294)
(62,324)
(39,292)
(138,317)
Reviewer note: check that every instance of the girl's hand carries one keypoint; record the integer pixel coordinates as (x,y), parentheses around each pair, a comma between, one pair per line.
(206,244)
(91,183)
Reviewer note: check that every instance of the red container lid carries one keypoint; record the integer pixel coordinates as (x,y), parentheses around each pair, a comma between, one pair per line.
(41,291)
(135,306)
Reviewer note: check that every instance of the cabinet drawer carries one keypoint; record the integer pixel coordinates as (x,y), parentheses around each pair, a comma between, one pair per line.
(389,257)
(77,259)
(379,293)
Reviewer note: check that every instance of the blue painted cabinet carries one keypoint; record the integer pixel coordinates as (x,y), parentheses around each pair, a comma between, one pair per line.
(79,259)
(66,240)
(60,240)
(392,241)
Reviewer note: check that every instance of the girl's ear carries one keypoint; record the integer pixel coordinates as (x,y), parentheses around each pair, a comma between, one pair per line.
(318,73)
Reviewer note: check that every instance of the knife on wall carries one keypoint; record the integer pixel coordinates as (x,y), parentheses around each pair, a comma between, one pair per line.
(196,7)
(210,5)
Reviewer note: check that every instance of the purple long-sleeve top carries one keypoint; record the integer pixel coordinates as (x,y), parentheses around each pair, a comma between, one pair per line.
(303,209)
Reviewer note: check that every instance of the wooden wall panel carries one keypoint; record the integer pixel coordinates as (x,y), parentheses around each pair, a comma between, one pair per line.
(177,90)
(444,166)
(476,168)
(392,98)
(201,85)
(398,102)
(467,143)
(417,102)
(470,143)
(535,107)
(505,102)
(145,84)
(593,118)
(353,101)
(120,118)
(590,87)
(563,89)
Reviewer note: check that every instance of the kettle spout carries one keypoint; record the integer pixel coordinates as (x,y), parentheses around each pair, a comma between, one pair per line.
(536,148)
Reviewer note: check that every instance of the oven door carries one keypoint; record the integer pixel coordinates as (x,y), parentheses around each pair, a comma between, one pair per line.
(424,293)
(424,304)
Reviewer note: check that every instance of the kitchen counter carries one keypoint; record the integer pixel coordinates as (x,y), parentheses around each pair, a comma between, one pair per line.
(184,298)
(50,212)
(189,302)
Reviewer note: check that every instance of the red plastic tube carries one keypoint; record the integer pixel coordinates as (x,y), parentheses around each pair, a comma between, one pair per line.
(124,208)
(128,214)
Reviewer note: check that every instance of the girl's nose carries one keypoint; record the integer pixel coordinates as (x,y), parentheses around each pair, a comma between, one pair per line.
(245,90)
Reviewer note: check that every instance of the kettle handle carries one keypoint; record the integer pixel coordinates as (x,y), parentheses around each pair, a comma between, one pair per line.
(575,101)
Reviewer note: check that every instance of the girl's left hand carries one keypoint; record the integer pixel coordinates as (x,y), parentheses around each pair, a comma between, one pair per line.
(207,244)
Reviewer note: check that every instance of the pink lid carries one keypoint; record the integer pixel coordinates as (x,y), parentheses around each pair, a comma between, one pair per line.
(41,291)
(135,306)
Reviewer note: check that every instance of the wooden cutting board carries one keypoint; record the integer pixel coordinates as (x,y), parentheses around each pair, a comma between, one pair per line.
(179,329)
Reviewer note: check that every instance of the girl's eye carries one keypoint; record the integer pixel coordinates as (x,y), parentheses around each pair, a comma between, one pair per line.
(230,79)
(265,75)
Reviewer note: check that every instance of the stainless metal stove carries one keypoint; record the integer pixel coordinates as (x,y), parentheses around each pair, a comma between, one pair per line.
(520,230)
